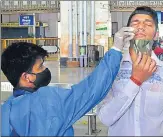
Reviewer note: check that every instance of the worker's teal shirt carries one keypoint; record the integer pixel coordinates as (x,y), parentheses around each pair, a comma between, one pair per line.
(51,111)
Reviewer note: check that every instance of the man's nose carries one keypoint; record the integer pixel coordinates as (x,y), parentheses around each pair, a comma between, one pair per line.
(141,26)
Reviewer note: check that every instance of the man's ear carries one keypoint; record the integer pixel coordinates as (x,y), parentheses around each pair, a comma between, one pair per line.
(24,76)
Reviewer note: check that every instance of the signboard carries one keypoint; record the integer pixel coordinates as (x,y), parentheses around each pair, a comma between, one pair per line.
(101,26)
(130,5)
(26,20)
(50,49)
(6,86)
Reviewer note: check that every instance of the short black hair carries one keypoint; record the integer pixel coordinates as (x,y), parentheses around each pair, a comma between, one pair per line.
(145,10)
(20,57)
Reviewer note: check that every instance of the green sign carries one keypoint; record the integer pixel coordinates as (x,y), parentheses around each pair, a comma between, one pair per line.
(104,28)
(101,26)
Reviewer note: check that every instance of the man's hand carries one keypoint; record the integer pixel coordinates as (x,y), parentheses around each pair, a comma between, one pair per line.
(143,68)
(124,35)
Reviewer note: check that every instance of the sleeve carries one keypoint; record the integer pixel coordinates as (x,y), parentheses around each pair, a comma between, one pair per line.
(117,102)
(115,48)
(82,97)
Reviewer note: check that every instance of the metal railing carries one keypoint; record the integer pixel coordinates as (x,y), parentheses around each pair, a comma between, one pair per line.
(39,41)
(50,44)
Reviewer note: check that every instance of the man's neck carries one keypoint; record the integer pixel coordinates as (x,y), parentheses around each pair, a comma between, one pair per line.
(127,57)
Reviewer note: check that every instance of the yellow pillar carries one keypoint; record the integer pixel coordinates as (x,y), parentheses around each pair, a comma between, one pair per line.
(110,42)
(4,46)
(34,41)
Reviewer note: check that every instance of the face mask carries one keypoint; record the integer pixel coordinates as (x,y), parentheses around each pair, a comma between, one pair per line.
(144,46)
(42,79)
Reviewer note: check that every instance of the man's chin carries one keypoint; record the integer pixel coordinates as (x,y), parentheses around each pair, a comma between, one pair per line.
(140,38)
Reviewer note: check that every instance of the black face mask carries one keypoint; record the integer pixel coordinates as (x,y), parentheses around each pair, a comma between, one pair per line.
(42,78)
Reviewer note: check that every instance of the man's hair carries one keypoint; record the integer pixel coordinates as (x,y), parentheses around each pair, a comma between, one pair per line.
(18,58)
(145,10)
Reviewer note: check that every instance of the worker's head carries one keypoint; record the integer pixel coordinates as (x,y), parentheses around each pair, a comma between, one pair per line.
(22,64)
(145,21)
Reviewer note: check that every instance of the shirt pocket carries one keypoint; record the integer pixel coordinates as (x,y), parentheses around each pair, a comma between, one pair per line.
(154,103)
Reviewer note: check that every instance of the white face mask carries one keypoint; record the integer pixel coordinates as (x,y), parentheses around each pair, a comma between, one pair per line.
(144,46)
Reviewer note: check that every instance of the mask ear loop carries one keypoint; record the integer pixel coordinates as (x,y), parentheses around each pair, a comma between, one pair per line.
(28,72)
(31,73)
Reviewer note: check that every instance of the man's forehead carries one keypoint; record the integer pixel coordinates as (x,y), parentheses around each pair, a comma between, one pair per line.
(142,17)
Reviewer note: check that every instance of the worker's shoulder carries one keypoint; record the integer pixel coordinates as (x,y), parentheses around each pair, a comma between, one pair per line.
(46,91)
(51,89)
(46,97)
(49,92)
(7,102)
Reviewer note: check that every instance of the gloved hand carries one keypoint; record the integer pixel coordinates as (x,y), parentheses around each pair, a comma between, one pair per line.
(123,36)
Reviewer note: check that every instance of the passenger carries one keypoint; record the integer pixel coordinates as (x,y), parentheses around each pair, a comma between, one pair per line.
(134,106)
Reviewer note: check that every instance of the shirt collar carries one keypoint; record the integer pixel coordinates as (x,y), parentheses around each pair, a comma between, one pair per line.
(127,58)
(17,91)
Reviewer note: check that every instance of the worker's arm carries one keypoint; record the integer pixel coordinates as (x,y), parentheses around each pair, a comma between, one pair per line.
(82,97)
